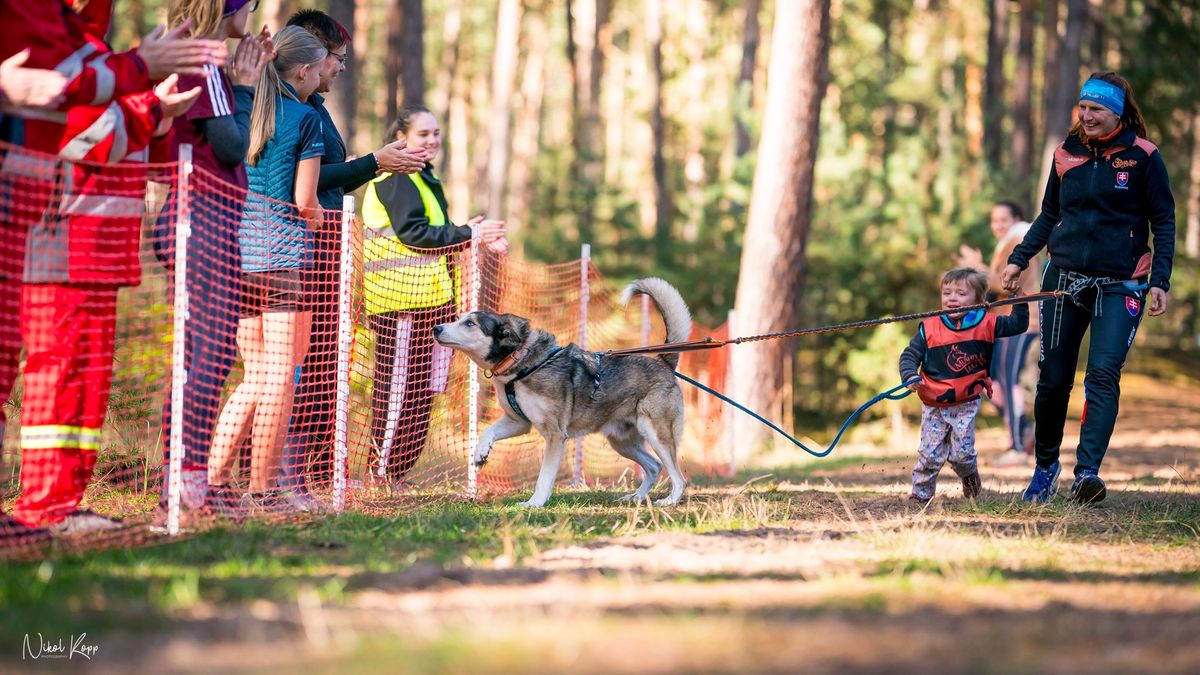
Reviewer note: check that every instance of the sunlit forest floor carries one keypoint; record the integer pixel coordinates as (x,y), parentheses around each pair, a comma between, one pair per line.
(818,567)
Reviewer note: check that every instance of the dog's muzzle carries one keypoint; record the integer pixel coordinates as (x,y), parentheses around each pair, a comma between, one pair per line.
(437,330)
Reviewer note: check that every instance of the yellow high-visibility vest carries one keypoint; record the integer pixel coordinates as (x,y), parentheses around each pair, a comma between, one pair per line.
(395,277)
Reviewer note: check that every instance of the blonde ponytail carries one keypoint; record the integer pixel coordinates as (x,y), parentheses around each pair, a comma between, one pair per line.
(294,47)
(206,16)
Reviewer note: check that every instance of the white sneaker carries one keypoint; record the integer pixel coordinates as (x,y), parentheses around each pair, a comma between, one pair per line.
(82,523)
(1013,458)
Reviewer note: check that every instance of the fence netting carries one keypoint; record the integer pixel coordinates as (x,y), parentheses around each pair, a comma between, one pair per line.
(183,354)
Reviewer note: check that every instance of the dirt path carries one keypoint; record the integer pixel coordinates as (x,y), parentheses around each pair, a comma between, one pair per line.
(833,572)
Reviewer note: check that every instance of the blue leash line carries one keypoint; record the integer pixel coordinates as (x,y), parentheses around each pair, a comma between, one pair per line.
(890,394)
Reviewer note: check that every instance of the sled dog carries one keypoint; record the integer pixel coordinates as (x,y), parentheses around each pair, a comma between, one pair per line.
(567,392)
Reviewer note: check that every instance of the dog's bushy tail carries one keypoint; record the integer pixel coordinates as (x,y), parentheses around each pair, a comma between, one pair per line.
(670,304)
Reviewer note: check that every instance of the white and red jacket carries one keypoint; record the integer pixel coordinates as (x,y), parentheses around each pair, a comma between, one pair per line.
(108,117)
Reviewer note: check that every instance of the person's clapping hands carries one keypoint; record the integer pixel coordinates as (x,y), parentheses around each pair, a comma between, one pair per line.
(491,233)
(252,55)
(29,87)
(166,51)
(397,157)
(173,102)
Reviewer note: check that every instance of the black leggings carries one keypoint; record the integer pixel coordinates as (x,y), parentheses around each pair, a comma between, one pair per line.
(1113,324)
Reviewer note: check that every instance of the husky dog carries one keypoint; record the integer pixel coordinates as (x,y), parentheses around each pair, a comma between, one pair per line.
(566,392)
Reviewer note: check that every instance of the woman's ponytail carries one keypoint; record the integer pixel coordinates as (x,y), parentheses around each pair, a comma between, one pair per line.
(294,47)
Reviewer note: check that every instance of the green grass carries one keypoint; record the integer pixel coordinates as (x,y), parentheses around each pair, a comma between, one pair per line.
(140,586)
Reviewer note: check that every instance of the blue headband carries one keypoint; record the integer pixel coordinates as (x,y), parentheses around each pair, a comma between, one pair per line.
(1108,95)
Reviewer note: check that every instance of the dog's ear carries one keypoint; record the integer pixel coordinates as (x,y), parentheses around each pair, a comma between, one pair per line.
(515,328)
(488,323)
(508,333)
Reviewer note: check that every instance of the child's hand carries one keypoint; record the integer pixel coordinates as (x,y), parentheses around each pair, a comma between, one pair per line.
(914,386)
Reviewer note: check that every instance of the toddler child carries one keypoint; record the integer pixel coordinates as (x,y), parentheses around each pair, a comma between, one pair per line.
(953,353)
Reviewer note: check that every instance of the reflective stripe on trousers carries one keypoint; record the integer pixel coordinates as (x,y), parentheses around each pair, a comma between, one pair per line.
(59,436)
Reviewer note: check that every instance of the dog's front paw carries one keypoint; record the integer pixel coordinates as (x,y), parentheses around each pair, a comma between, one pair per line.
(481,455)
(531,504)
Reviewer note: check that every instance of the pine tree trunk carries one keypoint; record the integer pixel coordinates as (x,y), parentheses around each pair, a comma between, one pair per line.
(456,160)
(773,260)
(1061,99)
(585,20)
(994,102)
(1022,137)
(404,63)
(526,137)
(751,34)
(392,60)
(504,74)
(1096,37)
(662,191)
(344,97)
(1191,241)
(369,113)
(451,28)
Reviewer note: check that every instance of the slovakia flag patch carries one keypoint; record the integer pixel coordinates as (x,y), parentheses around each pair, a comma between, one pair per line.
(1133,305)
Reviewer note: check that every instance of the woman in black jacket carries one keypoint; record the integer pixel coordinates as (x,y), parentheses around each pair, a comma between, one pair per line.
(1107,195)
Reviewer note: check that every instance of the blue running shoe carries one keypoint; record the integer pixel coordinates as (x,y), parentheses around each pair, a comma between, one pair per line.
(1088,488)
(1044,484)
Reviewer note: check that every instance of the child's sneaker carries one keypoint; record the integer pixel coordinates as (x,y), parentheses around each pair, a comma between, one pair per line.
(1088,488)
(1043,485)
(972,485)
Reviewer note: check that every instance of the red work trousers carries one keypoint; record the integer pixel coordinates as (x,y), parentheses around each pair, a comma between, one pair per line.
(69,332)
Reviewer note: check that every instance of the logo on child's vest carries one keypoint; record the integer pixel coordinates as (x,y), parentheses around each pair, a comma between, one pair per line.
(960,361)
(1133,305)
(1123,180)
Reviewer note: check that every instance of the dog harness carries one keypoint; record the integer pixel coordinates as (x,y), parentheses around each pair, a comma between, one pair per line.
(510,391)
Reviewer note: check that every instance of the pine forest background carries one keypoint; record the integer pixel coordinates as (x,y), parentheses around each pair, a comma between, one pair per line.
(633,125)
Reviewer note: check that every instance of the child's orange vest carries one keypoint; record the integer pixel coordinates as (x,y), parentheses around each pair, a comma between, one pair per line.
(955,369)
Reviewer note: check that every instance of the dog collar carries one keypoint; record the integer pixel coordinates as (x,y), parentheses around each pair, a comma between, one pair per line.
(509,362)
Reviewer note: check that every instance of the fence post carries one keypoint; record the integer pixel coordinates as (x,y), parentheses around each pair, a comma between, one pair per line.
(473,293)
(585,296)
(645,320)
(183,231)
(727,411)
(345,344)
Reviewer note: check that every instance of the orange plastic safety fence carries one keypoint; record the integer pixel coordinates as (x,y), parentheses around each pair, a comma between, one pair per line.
(194,354)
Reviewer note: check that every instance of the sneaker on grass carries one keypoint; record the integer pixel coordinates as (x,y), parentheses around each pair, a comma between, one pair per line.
(971,485)
(1043,485)
(1088,488)
(82,523)
(302,501)
(266,502)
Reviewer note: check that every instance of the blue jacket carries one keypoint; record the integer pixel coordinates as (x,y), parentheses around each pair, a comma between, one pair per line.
(272,235)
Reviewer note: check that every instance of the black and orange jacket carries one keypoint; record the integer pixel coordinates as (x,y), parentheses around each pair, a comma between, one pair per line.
(955,359)
(1103,201)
